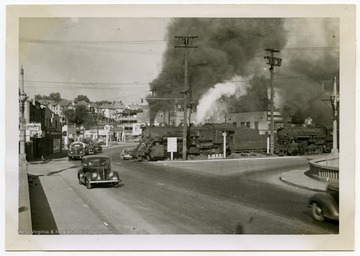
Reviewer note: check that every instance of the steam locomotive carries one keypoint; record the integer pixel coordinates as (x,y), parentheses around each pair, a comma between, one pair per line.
(210,139)
(300,140)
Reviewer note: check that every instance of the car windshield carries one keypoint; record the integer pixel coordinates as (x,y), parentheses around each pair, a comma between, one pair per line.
(98,162)
(77,145)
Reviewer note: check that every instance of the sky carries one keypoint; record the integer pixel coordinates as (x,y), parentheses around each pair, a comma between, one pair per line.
(122,59)
(104,58)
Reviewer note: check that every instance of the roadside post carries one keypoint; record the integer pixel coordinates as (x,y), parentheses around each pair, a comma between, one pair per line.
(107,129)
(172,146)
(224,150)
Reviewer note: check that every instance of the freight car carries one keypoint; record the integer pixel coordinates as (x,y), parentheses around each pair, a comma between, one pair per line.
(206,140)
(300,140)
(209,139)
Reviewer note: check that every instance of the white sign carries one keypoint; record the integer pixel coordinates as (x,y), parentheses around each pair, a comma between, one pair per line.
(136,129)
(172,144)
(33,130)
(107,127)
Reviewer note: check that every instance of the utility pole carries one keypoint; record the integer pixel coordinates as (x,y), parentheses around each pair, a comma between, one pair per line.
(24,218)
(272,61)
(334,102)
(186,40)
(22,100)
(97,121)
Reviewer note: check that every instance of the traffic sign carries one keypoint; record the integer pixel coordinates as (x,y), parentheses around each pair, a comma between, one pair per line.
(107,127)
(171,144)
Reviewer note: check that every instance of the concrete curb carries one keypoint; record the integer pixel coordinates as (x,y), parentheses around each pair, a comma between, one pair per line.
(40,162)
(300,186)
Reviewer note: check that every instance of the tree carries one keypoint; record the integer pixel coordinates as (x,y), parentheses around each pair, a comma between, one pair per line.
(99,103)
(80,116)
(55,96)
(38,97)
(82,98)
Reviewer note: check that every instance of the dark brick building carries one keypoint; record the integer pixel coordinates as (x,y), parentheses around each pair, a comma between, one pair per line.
(43,133)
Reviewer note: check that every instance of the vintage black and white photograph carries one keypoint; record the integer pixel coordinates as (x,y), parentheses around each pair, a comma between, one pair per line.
(182,125)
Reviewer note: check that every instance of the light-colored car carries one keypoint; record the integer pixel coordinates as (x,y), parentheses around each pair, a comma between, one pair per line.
(96,169)
(325,205)
(126,154)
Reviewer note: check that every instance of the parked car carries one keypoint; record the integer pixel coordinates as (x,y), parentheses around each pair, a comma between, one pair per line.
(126,154)
(325,205)
(97,148)
(77,150)
(91,149)
(96,169)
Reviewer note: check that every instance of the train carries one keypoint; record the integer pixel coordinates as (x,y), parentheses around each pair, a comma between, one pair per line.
(301,140)
(219,138)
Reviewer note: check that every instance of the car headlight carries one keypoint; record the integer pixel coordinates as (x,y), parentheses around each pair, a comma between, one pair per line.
(111,174)
(94,175)
(80,152)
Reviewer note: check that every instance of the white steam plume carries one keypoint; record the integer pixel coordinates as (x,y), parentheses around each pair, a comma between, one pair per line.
(210,104)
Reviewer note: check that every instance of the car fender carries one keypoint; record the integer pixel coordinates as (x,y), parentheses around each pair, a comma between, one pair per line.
(88,176)
(327,203)
(117,175)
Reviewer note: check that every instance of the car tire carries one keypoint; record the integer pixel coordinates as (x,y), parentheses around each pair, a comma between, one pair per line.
(79,181)
(87,183)
(317,212)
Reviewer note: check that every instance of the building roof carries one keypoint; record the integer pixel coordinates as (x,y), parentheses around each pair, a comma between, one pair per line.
(83,103)
(65,103)
(113,105)
(43,102)
(118,105)
(93,105)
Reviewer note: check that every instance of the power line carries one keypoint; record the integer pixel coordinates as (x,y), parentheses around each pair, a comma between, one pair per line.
(84,84)
(92,42)
(312,48)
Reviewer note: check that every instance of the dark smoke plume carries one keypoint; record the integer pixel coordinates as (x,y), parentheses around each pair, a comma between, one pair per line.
(225,48)
(229,47)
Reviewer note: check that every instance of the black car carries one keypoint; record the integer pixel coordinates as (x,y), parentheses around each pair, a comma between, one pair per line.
(77,150)
(96,169)
(325,205)
(97,148)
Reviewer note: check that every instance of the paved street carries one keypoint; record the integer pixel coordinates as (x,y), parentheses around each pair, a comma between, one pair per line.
(238,196)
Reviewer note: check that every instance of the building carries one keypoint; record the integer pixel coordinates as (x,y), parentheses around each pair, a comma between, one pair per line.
(260,120)
(43,131)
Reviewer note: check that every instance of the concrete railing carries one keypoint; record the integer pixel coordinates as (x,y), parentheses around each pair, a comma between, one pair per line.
(326,169)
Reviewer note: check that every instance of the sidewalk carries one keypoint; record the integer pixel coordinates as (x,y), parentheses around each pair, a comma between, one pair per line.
(47,208)
(298,178)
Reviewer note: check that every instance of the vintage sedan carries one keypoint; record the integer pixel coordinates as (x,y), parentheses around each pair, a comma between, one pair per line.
(77,150)
(96,169)
(325,205)
(97,148)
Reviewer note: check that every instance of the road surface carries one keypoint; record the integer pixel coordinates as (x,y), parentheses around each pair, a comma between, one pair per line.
(204,197)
